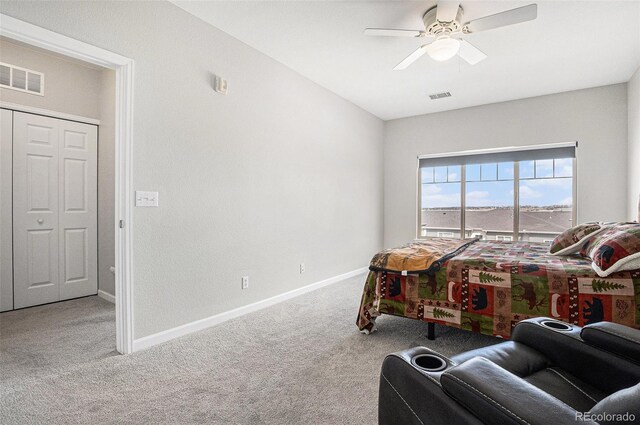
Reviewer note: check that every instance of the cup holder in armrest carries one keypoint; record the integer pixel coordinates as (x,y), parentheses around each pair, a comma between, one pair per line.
(557,325)
(429,362)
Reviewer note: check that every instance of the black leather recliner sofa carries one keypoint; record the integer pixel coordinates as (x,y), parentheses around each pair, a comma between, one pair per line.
(548,373)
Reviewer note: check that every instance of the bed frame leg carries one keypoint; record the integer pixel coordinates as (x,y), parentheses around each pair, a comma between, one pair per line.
(431,331)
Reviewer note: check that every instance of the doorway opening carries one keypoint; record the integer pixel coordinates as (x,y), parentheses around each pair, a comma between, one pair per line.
(77,237)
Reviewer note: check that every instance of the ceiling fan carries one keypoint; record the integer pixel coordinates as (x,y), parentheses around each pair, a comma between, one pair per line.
(443,21)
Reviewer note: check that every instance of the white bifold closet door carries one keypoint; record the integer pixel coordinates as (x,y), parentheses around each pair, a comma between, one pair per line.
(54,209)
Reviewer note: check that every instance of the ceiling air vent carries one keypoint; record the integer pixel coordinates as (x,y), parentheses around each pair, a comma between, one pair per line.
(439,95)
(21,79)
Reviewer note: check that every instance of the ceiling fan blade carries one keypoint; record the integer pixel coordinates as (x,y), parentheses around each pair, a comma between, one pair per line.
(388,32)
(412,57)
(502,19)
(447,10)
(470,53)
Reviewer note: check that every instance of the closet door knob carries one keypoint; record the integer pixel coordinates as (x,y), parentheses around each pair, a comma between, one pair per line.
(40,221)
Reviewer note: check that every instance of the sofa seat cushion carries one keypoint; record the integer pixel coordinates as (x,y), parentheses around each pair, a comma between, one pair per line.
(535,368)
(566,388)
(499,397)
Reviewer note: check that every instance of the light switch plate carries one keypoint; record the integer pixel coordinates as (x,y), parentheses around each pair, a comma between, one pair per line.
(146,199)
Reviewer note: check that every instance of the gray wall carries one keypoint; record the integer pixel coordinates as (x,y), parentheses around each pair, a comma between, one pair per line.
(633,94)
(106,181)
(74,87)
(596,117)
(278,172)
(281,171)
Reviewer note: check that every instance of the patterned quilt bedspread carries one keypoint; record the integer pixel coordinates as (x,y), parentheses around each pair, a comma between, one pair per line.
(490,286)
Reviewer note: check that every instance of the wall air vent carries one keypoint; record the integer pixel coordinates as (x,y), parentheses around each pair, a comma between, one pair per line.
(21,79)
(439,95)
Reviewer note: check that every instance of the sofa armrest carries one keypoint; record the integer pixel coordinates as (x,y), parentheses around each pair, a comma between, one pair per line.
(499,397)
(411,396)
(621,340)
(566,349)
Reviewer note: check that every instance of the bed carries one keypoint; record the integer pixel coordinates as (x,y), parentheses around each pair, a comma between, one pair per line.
(489,286)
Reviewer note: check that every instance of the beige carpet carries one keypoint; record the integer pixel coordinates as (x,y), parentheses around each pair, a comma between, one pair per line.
(47,339)
(299,362)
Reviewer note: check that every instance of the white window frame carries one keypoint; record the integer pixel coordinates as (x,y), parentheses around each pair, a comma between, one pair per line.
(445,234)
(10,86)
(516,184)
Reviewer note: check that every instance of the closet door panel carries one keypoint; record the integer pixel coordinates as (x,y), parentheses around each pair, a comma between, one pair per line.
(54,209)
(35,210)
(6,221)
(78,210)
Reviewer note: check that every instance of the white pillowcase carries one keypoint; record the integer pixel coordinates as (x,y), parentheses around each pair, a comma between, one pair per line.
(632,262)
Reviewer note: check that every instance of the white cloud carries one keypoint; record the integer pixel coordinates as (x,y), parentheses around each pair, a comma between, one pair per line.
(567,201)
(527,193)
(441,200)
(502,172)
(477,195)
(542,183)
(431,189)
(544,168)
(564,167)
(482,199)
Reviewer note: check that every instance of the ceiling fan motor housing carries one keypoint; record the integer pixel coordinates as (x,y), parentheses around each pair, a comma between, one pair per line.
(437,28)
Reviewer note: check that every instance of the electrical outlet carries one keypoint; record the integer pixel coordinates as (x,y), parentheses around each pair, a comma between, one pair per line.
(245,282)
(301,268)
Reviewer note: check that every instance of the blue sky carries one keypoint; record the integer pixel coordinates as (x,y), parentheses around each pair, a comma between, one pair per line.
(492,184)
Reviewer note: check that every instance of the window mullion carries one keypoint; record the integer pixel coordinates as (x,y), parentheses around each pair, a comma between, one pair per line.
(463,189)
(419,191)
(516,200)
(574,194)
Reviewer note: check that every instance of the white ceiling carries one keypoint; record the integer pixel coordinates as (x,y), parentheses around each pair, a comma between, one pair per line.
(571,45)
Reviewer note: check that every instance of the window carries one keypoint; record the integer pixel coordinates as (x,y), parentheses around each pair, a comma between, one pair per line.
(546,198)
(441,201)
(525,194)
(21,79)
(489,204)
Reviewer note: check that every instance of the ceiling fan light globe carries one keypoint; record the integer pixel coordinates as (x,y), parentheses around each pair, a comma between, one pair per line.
(444,49)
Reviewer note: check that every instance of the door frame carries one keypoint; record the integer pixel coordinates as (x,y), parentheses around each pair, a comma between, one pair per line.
(25,32)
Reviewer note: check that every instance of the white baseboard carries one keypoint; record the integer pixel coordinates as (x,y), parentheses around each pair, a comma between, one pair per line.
(107,296)
(169,334)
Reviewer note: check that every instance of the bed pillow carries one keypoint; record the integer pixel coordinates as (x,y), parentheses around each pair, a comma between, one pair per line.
(571,240)
(615,249)
(608,229)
